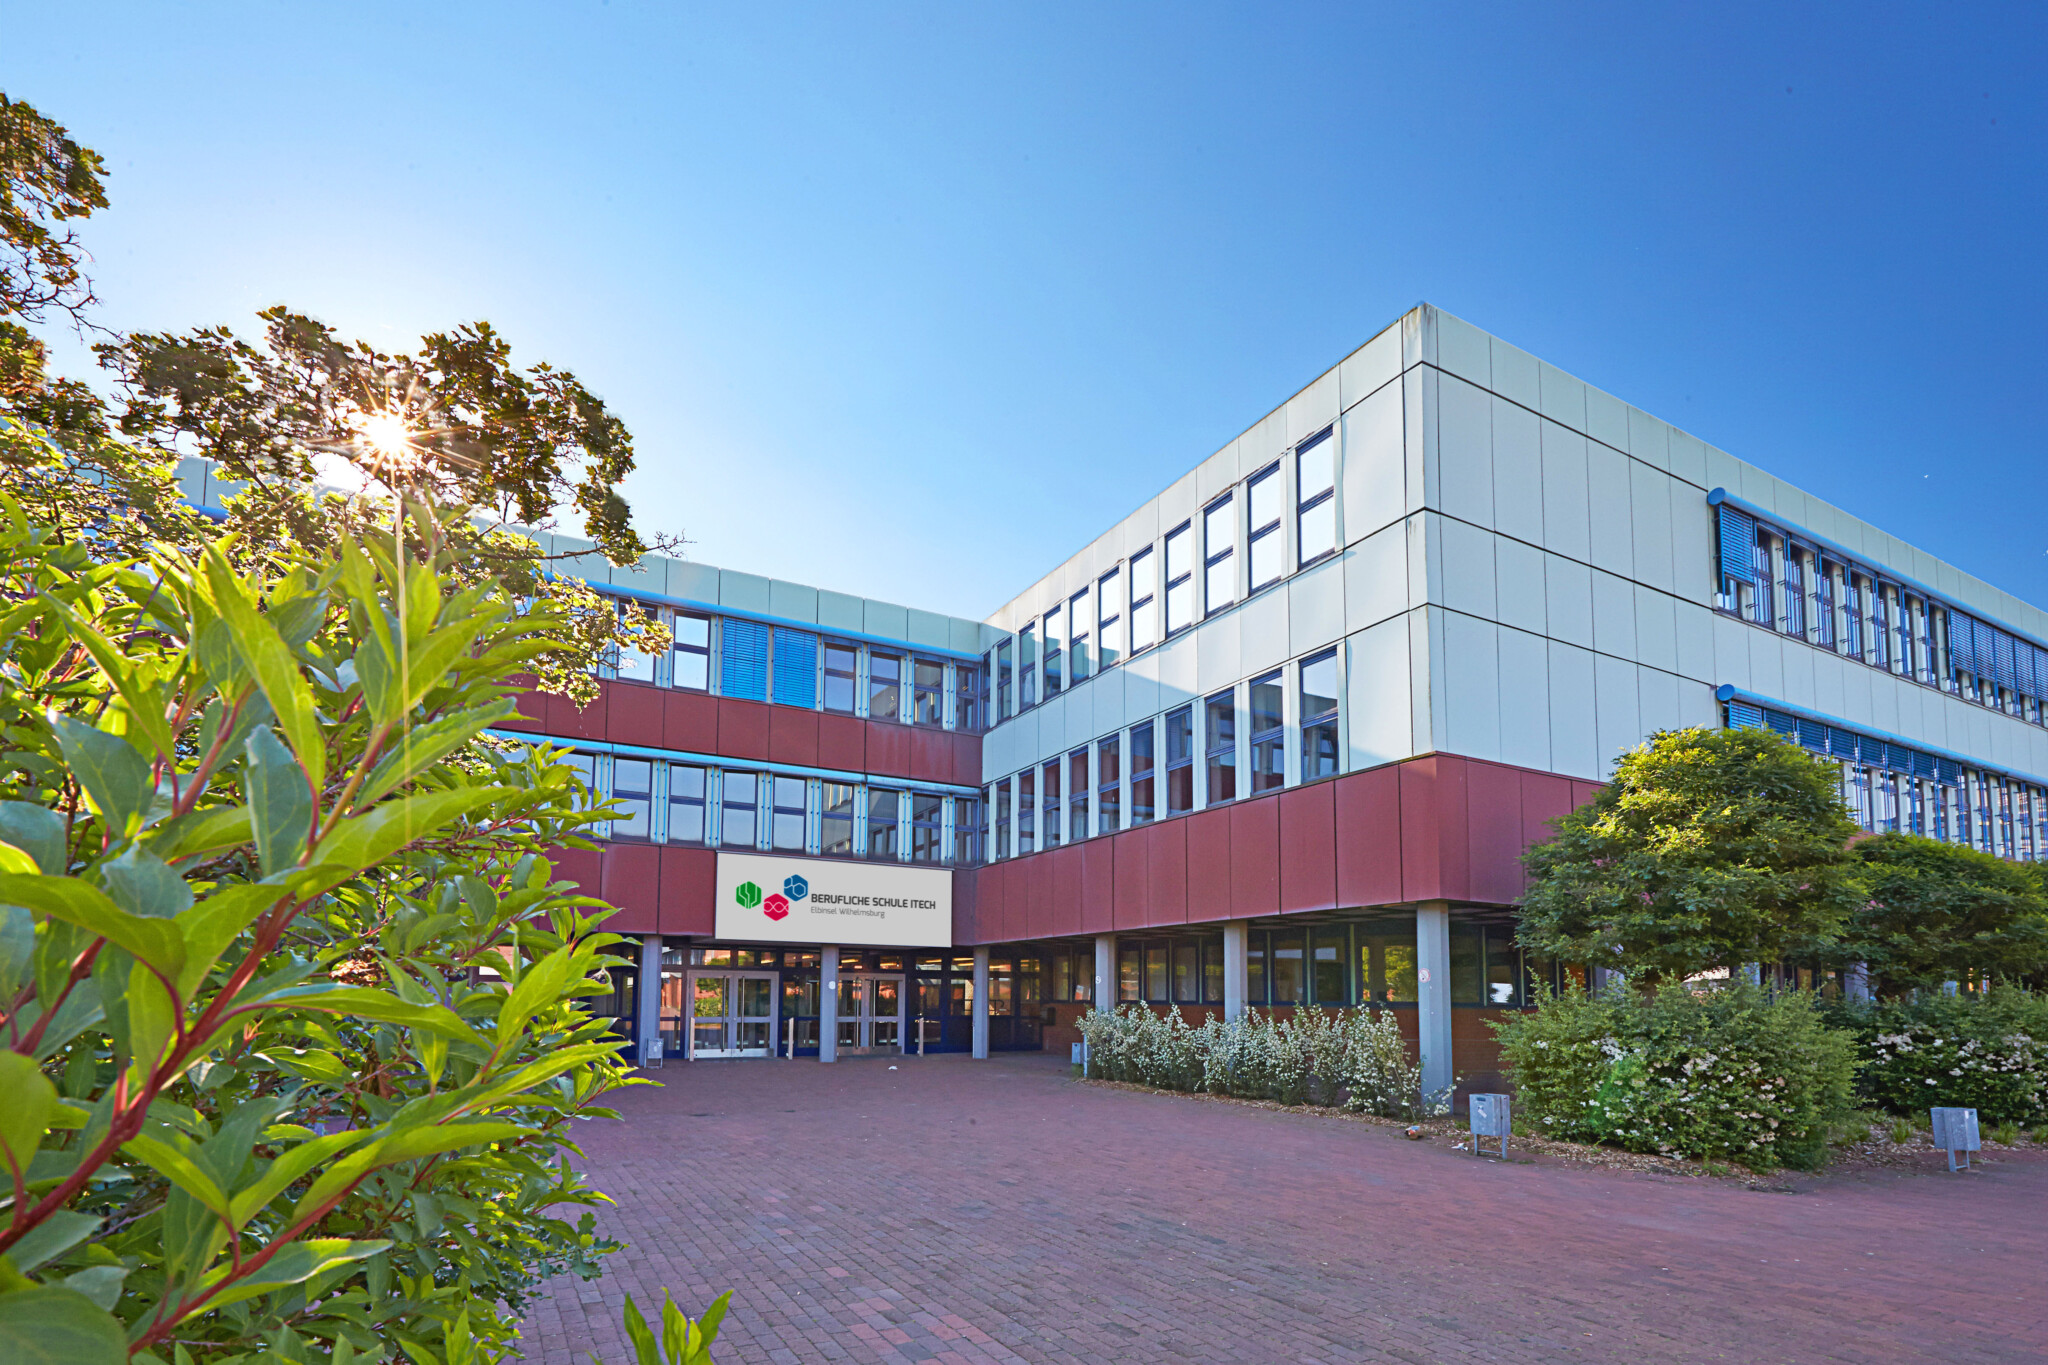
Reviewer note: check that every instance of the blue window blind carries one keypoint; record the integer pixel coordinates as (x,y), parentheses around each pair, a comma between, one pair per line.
(1738,542)
(1813,734)
(1743,716)
(1843,744)
(2003,665)
(796,667)
(744,660)
(1782,723)
(1947,771)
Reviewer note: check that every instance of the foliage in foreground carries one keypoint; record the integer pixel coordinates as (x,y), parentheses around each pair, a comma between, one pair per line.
(1982,1050)
(1735,1073)
(683,1342)
(1935,912)
(259,1094)
(1357,1058)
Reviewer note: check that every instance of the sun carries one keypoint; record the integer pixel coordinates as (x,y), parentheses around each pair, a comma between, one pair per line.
(386,433)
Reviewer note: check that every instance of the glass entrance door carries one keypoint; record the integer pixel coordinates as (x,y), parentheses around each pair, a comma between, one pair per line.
(732,1014)
(870,1013)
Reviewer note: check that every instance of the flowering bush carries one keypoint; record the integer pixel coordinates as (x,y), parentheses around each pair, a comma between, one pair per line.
(1732,1072)
(1986,1051)
(1354,1057)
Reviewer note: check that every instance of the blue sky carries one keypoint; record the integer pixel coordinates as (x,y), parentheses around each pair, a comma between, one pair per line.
(915,300)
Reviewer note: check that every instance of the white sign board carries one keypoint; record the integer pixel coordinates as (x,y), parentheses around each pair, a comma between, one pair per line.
(808,900)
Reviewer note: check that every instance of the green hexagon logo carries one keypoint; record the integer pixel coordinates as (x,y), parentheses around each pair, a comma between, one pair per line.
(747,894)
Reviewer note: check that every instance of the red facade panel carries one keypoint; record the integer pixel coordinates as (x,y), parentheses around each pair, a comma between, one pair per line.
(1167,874)
(743,728)
(1435,854)
(1308,848)
(793,736)
(1493,813)
(689,721)
(1133,879)
(1582,792)
(888,747)
(564,721)
(1254,859)
(966,896)
(689,879)
(1208,864)
(1368,836)
(931,755)
(1038,890)
(842,742)
(1098,885)
(633,714)
(533,709)
(966,759)
(631,880)
(1065,916)
(1544,798)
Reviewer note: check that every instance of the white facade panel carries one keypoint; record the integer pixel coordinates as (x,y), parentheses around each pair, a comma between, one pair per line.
(1656,629)
(1695,629)
(1376,577)
(1262,631)
(1315,605)
(1657,694)
(1463,349)
(1177,679)
(1564,398)
(1107,695)
(1568,600)
(1567,516)
(1371,365)
(1731,653)
(1468,568)
(1377,678)
(1517,472)
(1514,375)
(1375,464)
(1697,705)
(1574,729)
(1617,709)
(1614,615)
(1607,496)
(1141,687)
(795,602)
(1217,656)
(1606,418)
(1650,503)
(1519,585)
(1464,452)
(1524,699)
(1472,686)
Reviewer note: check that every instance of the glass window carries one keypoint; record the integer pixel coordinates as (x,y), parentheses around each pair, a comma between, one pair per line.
(1077,796)
(1267,545)
(796,668)
(1255,969)
(1319,716)
(928,694)
(1155,972)
(685,804)
(927,816)
(1219,563)
(585,768)
(1288,984)
(1062,971)
(1080,634)
(1269,734)
(1052,804)
(970,696)
(1315,479)
(1054,652)
(1187,973)
(1127,982)
(739,809)
(1212,971)
(1467,945)
(835,831)
(1180,583)
(883,815)
(1142,807)
(1005,698)
(1386,963)
(1027,811)
(690,664)
(1027,667)
(966,830)
(1084,974)
(632,665)
(842,672)
(1180,760)
(786,813)
(633,798)
(885,686)
(1108,793)
(1222,747)
(1502,967)
(1331,966)
(1144,602)
(1002,805)
(1109,633)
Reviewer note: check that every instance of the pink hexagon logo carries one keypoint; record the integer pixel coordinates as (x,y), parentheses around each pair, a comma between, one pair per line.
(775,907)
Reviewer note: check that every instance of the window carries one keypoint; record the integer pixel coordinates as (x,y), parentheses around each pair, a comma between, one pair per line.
(842,674)
(966,830)
(1155,972)
(633,665)
(1142,808)
(740,799)
(883,815)
(1077,796)
(1880,632)
(928,692)
(1052,804)
(1127,982)
(1255,973)
(633,797)
(1052,653)
(691,661)
(1144,604)
(1467,964)
(743,659)
(1004,697)
(1269,734)
(1386,964)
(1315,482)
(1002,803)
(1221,743)
(1319,716)
(786,813)
(1180,760)
(1108,785)
(835,826)
(1027,668)
(1080,630)
(1852,614)
(1824,602)
(970,696)
(885,686)
(1180,585)
(1764,602)
(1795,591)
(1109,636)
(1219,550)
(796,667)
(1268,548)
(927,817)
(1027,811)
(1286,971)
(685,804)
(1330,966)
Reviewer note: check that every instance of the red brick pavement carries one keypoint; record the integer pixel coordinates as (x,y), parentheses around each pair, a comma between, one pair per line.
(953,1211)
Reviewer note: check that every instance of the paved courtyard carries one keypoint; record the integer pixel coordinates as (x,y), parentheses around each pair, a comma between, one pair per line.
(955,1211)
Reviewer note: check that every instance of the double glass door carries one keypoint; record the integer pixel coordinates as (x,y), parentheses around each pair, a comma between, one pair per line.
(870,1013)
(732,1014)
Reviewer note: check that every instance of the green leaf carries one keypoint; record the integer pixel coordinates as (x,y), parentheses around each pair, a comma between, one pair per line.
(66,898)
(30,1105)
(37,831)
(367,1002)
(205,831)
(539,985)
(113,772)
(143,884)
(51,1238)
(405,1145)
(415,750)
(59,1327)
(17,948)
(180,1169)
(367,840)
(280,802)
(644,1349)
(286,1170)
(214,923)
(100,1283)
(298,1262)
(259,648)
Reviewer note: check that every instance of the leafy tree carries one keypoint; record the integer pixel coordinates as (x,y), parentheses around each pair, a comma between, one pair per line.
(288,1026)
(1938,912)
(1709,848)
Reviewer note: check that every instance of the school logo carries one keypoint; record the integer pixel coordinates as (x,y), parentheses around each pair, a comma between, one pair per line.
(796,888)
(775,907)
(747,894)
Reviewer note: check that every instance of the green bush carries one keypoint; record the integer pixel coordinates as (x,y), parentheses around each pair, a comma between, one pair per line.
(1986,1051)
(1731,1073)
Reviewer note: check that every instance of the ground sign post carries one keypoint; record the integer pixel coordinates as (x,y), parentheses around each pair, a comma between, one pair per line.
(1490,1119)
(1955,1130)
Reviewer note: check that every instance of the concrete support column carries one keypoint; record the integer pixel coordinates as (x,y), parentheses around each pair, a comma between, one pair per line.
(828,1004)
(1433,993)
(981,1004)
(1105,972)
(647,999)
(1237,934)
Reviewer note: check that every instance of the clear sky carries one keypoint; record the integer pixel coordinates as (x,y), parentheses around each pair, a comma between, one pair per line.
(916,300)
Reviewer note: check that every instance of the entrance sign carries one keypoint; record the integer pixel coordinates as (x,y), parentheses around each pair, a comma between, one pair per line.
(807,900)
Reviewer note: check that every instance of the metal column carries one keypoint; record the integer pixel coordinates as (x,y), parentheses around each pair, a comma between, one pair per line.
(981,1004)
(647,1000)
(1105,972)
(1433,994)
(1237,934)
(828,1004)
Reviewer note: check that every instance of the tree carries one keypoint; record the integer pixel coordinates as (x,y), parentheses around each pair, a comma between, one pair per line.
(289,1033)
(1938,912)
(1708,849)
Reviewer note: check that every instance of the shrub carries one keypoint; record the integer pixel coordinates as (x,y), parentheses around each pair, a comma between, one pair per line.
(1733,1072)
(1986,1051)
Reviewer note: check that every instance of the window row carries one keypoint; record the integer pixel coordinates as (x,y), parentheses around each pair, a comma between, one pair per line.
(684,803)
(1771,578)
(1283,517)
(1271,732)
(734,656)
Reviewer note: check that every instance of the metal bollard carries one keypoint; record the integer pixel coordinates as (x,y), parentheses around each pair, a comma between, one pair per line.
(1489,1118)
(1955,1130)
